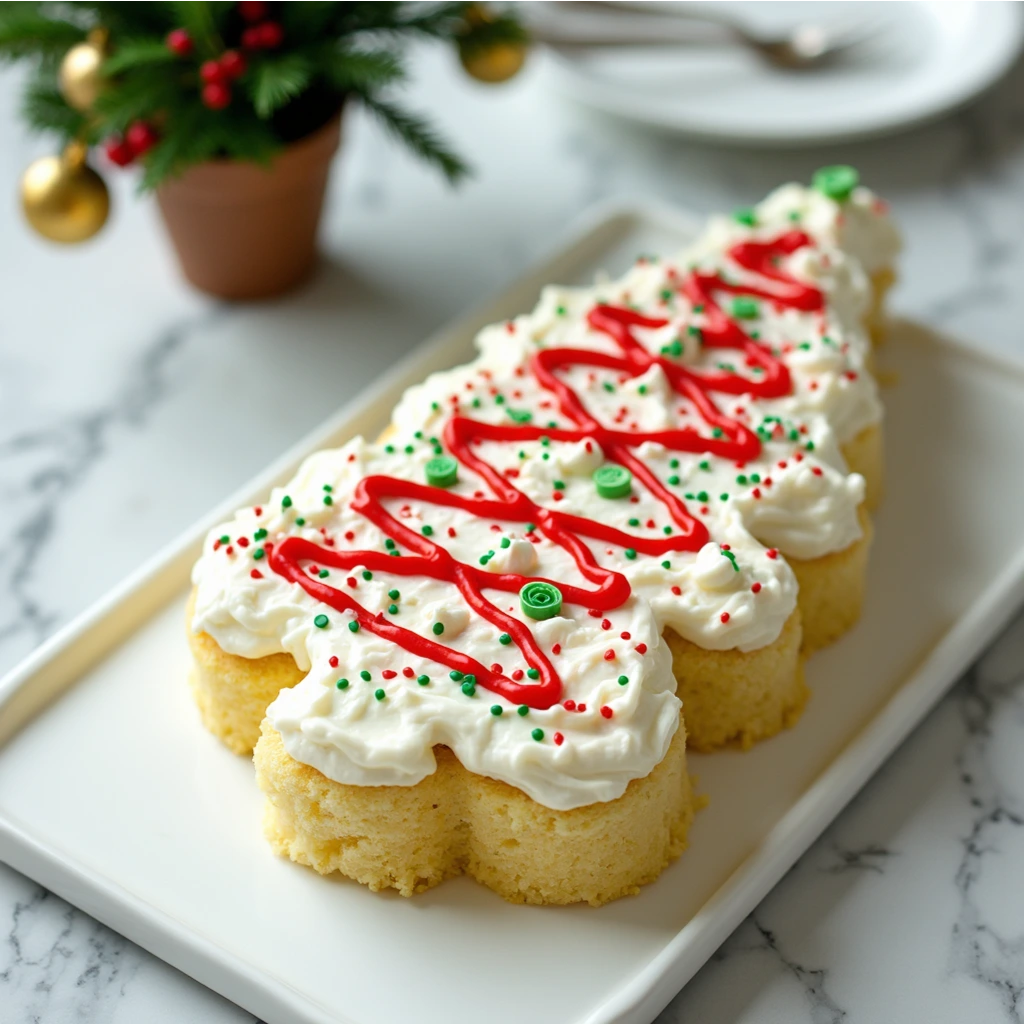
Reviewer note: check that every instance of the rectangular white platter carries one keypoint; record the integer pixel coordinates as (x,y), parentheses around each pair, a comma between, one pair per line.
(112,794)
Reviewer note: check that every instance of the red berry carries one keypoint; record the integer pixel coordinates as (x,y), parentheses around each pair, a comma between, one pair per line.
(141,137)
(216,95)
(271,35)
(179,42)
(232,64)
(252,38)
(252,11)
(210,72)
(118,151)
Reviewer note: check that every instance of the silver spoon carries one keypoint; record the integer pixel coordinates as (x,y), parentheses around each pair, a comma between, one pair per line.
(609,25)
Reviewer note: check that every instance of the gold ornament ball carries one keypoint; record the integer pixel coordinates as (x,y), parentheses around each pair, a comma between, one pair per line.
(80,78)
(64,199)
(493,63)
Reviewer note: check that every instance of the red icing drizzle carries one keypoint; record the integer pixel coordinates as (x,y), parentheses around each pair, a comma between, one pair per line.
(611,589)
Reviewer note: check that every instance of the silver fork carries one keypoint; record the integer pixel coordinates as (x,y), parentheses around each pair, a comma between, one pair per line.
(610,24)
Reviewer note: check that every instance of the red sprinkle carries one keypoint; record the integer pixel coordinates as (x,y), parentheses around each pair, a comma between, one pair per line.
(557,649)
(569,705)
(609,655)
(333,661)
(258,510)
(606,711)
(451,531)
(496,668)
(242,542)
(724,616)
(640,648)
(351,581)
(389,673)
(606,623)
(350,535)
(581,707)
(408,672)
(677,591)
(625,635)
(559,739)
(772,553)
(755,587)
(517,674)
(256,574)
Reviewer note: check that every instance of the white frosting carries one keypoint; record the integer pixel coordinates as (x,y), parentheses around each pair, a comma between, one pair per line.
(735,592)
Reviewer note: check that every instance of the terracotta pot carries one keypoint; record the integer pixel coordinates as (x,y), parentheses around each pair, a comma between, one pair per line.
(243,231)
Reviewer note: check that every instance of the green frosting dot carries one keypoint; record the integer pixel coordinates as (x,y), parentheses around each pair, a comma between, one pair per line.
(540,600)
(423,680)
(836,182)
(537,734)
(321,622)
(623,680)
(613,481)
(523,710)
(442,471)
(745,307)
(496,710)
(342,684)
(437,628)
(365,676)
(379,694)
(504,639)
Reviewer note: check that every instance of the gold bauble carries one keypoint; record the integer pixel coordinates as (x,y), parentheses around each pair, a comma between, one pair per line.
(80,79)
(494,63)
(64,199)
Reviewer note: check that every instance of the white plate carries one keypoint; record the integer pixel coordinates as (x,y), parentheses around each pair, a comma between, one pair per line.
(927,59)
(113,795)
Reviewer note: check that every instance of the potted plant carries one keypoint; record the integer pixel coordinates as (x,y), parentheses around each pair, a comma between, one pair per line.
(233,111)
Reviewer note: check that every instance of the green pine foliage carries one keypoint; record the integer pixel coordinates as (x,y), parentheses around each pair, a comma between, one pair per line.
(329,54)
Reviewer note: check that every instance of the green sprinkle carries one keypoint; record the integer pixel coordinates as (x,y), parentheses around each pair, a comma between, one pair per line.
(673,480)
(469,689)
(667,293)
(809,446)
(702,495)
(353,626)
(286,502)
(389,543)
(530,527)
(505,542)
(561,310)
(533,673)
(717,432)
(559,485)
(634,522)
(496,710)
(300,521)
(418,435)
(328,488)
(613,481)
(745,307)
(666,530)
(258,554)
(379,694)
(437,628)
(837,182)
(623,680)
(389,448)
(704,464)
(394,595)
(537,734)
(499,399)
(321,621)
(475,403)
(520,415)
(504,639)
(666,564)
(427,530)
(608,386)
(392,609)
(673,463)
(723,496)
(342,684)
(442,471)
(523,710)
(456,676)
(435,406)
(367,575)
(630,553)
(259,534)
(423,680)
(323,574)
(755,478)
(225,539)
(545,440)
(741,479)
(642,389)
(745,215)
(365,676)
(328,500)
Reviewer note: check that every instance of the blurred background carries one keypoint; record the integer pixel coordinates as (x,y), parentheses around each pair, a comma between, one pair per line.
(131,401)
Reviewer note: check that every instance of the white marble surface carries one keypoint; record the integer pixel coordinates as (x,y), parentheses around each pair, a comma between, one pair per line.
(129,405)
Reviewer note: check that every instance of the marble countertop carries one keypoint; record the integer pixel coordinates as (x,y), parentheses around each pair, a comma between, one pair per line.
(129,405)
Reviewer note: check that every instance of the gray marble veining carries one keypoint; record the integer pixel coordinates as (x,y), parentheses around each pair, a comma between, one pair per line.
(129,405)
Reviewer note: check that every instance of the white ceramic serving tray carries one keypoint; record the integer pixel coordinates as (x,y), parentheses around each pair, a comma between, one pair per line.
(113,795)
